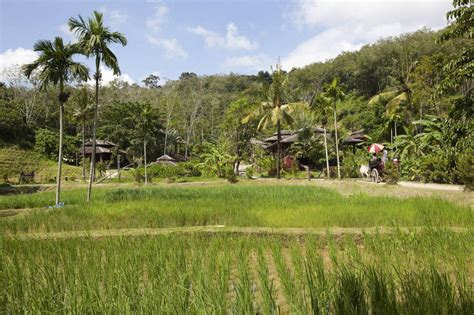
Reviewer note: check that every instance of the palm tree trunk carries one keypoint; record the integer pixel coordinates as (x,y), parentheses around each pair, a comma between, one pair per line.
(309,170)
(144,158)
(327,155)
(84,148)
(278,149)
(337,145)
(60,154)
(94,127)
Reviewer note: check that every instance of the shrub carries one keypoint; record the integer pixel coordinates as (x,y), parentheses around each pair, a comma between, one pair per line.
(464,172)
(185,169)
(391,172)
(249,172)
(352,162)
(435,168)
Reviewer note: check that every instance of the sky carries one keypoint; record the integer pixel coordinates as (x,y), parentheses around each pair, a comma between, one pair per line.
(167,38)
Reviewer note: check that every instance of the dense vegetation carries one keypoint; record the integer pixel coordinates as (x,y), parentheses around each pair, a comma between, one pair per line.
(413,92)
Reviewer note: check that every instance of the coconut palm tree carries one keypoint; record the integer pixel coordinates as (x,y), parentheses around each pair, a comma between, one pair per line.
(273,111)
(82,112)
(322,106)
(55,65)
(334,92)
(94,40)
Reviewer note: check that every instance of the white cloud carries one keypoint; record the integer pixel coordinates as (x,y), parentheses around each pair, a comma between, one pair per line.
(115,17)
(172,47)
(159,17)
(232,40)
(17,57)
(212,39)
(108,76)
(236,41)
(347,25)
(66,33)
(253,62)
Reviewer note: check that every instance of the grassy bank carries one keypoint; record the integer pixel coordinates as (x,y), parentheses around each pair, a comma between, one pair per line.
(407,273)
(231,205)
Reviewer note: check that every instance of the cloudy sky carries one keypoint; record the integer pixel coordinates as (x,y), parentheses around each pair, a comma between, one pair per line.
(208,37)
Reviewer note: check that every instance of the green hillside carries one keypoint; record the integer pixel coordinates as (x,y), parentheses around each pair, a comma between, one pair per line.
(13,161)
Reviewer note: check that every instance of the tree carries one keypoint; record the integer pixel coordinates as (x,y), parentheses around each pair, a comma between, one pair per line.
(307,146)
(321,105)
(82,112)
(237,133)
(152,81)
(94,39)
(335,93)
(460,69)
(273,111)
(55,65)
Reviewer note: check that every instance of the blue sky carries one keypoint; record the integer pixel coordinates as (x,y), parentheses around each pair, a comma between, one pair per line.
(209,37)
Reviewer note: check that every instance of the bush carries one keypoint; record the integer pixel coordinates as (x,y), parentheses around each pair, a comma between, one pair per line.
(352,162)
(392,174)
(435,168)
(249,172)
(185,169)
(465,170)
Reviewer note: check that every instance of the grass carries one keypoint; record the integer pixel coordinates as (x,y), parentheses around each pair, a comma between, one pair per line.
(426,272)
(230,205)
(425,268)
(13,161)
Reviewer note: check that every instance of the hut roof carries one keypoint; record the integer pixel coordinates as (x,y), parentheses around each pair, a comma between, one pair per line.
(166,157)
(101,143)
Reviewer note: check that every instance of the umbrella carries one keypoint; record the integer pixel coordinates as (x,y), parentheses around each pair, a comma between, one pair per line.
(376,148)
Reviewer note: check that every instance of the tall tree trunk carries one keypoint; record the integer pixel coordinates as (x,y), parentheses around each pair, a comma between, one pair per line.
(94,127)
(144,158)
(327,155)
(166,140)
(309,170)
(84,148)
(60,154)
(278,149)
(337,145)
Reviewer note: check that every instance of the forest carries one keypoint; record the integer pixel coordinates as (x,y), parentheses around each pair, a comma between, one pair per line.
(413,93)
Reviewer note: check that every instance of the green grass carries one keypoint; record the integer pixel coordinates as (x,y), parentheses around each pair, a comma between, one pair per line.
(406,273)
(13,161)
(231,205)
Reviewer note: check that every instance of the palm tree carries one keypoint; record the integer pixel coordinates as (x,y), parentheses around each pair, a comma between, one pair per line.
(56,66)
(273,111)
(394,102)
(334,92)
(322,105)
(94,39)
(82,113)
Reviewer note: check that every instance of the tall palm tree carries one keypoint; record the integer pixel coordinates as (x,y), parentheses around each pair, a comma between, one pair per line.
(395,102)
(56,66)
(335,93)
(94,39)
(82,112)
(322,106)
(273,111)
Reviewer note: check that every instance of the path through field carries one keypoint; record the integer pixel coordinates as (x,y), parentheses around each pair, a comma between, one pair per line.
(220,229)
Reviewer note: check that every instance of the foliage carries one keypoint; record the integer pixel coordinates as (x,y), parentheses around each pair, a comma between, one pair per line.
(215,160)
(391,173)
(352,162)
(46,143)
(465,169)
(183,169)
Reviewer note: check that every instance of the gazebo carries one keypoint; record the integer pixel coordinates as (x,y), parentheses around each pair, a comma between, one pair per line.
(103,150)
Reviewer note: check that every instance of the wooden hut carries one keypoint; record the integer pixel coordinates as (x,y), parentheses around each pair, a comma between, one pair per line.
(103,150)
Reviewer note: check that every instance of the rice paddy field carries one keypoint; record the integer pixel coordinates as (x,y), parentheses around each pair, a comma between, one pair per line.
(246,249)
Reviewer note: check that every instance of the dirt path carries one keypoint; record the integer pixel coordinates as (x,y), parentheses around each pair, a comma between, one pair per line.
(216,229)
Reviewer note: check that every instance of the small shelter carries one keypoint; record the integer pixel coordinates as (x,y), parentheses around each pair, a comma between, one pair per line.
(356,138)
(104,150)
(170,159)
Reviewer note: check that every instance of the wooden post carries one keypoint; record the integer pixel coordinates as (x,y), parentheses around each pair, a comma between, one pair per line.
(118,166)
